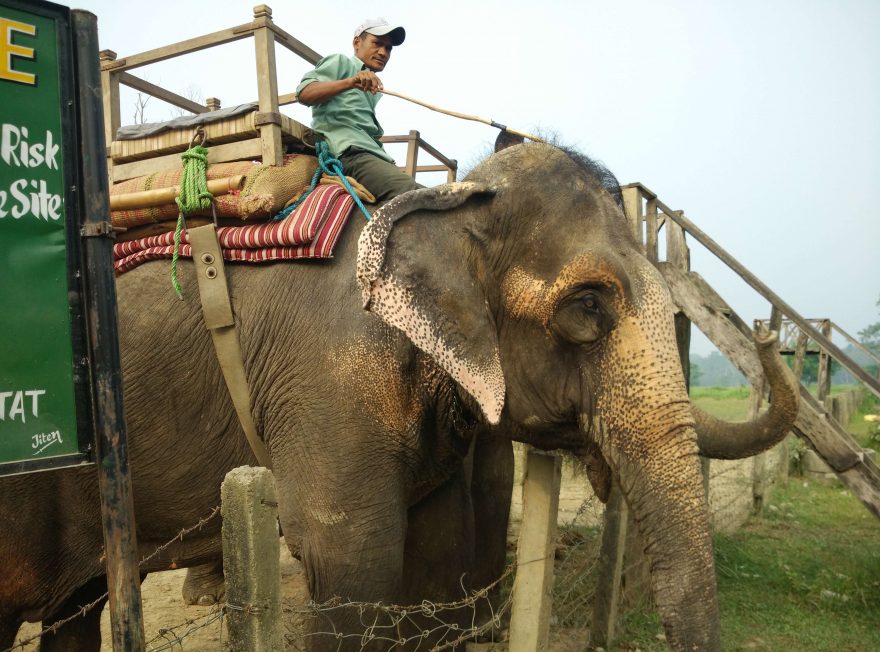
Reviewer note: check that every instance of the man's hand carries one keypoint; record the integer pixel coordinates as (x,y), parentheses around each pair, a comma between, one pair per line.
(367,81)
(320,92)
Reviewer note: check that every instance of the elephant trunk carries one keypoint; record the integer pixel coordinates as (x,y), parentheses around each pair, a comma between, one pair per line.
(664,491)
(724,440)
(645,432)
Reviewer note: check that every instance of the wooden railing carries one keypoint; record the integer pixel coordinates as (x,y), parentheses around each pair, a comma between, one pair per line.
(115,72)
(647,215)
(414,144)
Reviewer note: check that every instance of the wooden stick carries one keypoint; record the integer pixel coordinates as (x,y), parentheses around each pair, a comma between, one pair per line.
(464,116)
(163,196)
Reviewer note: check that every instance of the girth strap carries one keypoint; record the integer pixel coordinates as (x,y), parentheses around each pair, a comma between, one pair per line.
(217,309)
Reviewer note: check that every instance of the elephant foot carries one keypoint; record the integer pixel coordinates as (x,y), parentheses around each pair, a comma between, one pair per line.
(205,584)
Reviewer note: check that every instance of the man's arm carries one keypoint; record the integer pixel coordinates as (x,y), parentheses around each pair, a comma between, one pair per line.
(319,92)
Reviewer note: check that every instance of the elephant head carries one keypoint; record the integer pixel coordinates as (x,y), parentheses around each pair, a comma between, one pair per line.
(530,291)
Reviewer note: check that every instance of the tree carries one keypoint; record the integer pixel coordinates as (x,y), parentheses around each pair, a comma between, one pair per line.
(695,374)
(870,335)
(140,106)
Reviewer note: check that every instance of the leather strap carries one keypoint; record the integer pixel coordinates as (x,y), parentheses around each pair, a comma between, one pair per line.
(217,310)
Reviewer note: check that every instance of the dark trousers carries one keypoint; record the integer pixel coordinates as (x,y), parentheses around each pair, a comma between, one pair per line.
(377,175)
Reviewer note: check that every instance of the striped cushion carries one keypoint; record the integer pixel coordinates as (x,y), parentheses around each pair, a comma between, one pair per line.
(311,231)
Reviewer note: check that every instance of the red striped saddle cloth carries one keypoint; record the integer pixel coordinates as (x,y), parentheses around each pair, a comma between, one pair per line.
(311,231)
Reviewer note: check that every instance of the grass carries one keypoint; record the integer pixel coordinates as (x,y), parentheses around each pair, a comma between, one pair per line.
(805,575)
(728,403)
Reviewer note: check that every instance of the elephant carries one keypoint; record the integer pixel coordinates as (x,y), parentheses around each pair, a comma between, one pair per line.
(514,305)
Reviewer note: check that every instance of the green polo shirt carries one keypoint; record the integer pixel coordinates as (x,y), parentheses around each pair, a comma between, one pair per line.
(349,119)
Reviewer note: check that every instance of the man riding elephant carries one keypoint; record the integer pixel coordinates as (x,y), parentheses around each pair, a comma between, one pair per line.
(343,92)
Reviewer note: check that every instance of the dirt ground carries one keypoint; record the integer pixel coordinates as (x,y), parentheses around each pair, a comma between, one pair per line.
(171,624)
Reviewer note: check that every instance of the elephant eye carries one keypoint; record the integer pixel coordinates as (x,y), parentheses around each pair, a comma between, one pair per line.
(590,302)
(582,318)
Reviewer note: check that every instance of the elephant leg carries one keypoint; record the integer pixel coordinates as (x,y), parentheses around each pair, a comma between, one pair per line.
(439,559)
(204,585)
(9,626)
(491,490)
(351,554)
(83,633)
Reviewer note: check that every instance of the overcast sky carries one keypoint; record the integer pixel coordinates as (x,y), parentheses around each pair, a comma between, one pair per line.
(759,119)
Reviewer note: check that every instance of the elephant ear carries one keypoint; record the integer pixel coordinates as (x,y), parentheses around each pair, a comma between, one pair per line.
(422,291)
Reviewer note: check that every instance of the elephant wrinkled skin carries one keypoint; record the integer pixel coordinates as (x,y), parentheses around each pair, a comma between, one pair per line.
(524,309)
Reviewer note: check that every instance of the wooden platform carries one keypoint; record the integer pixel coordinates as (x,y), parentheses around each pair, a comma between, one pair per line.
(263,135)
(232,130)
(236,138)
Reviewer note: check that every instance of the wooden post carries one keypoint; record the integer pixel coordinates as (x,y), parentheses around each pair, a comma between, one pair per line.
(677,253)
(756,395)
(114,478)
(251,559)
(533,586)
(651,230)
(267,88)
(110,101)
(607,600)
(453,171)
(632,207)
(412,153)
(823,385)
(799,353)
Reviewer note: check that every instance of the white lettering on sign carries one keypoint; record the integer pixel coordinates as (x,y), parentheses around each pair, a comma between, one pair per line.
(17,406)
(8,49)
(28,196)
(15,149)
(42,441)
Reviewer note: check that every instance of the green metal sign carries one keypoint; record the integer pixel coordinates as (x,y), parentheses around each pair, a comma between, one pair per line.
(40,349)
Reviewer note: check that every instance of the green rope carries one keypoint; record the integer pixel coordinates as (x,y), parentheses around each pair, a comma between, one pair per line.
(194,196)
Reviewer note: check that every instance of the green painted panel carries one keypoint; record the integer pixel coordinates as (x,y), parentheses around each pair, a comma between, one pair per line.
(37,404)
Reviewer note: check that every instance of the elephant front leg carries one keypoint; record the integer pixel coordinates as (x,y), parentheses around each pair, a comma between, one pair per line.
(353,560)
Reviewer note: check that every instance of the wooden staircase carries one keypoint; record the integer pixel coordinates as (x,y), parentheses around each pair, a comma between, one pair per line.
(733,337)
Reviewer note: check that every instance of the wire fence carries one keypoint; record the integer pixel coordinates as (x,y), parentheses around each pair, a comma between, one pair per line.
(85,609)
(479,615)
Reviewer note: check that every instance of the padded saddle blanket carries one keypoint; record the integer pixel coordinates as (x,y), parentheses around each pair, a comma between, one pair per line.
(311,231)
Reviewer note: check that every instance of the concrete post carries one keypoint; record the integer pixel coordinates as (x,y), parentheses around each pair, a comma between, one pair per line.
(251,560)
(611,557)
(536,552)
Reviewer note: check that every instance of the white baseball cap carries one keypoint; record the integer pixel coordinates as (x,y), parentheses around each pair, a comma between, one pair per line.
(380,27)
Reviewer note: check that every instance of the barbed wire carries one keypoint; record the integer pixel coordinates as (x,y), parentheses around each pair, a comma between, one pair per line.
(83,610)
(171,638)
(433,629)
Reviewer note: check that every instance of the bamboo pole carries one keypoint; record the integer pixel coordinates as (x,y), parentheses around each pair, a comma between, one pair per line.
(465,116)
(164,196)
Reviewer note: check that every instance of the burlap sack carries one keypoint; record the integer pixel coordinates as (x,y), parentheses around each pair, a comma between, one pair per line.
(267,189)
